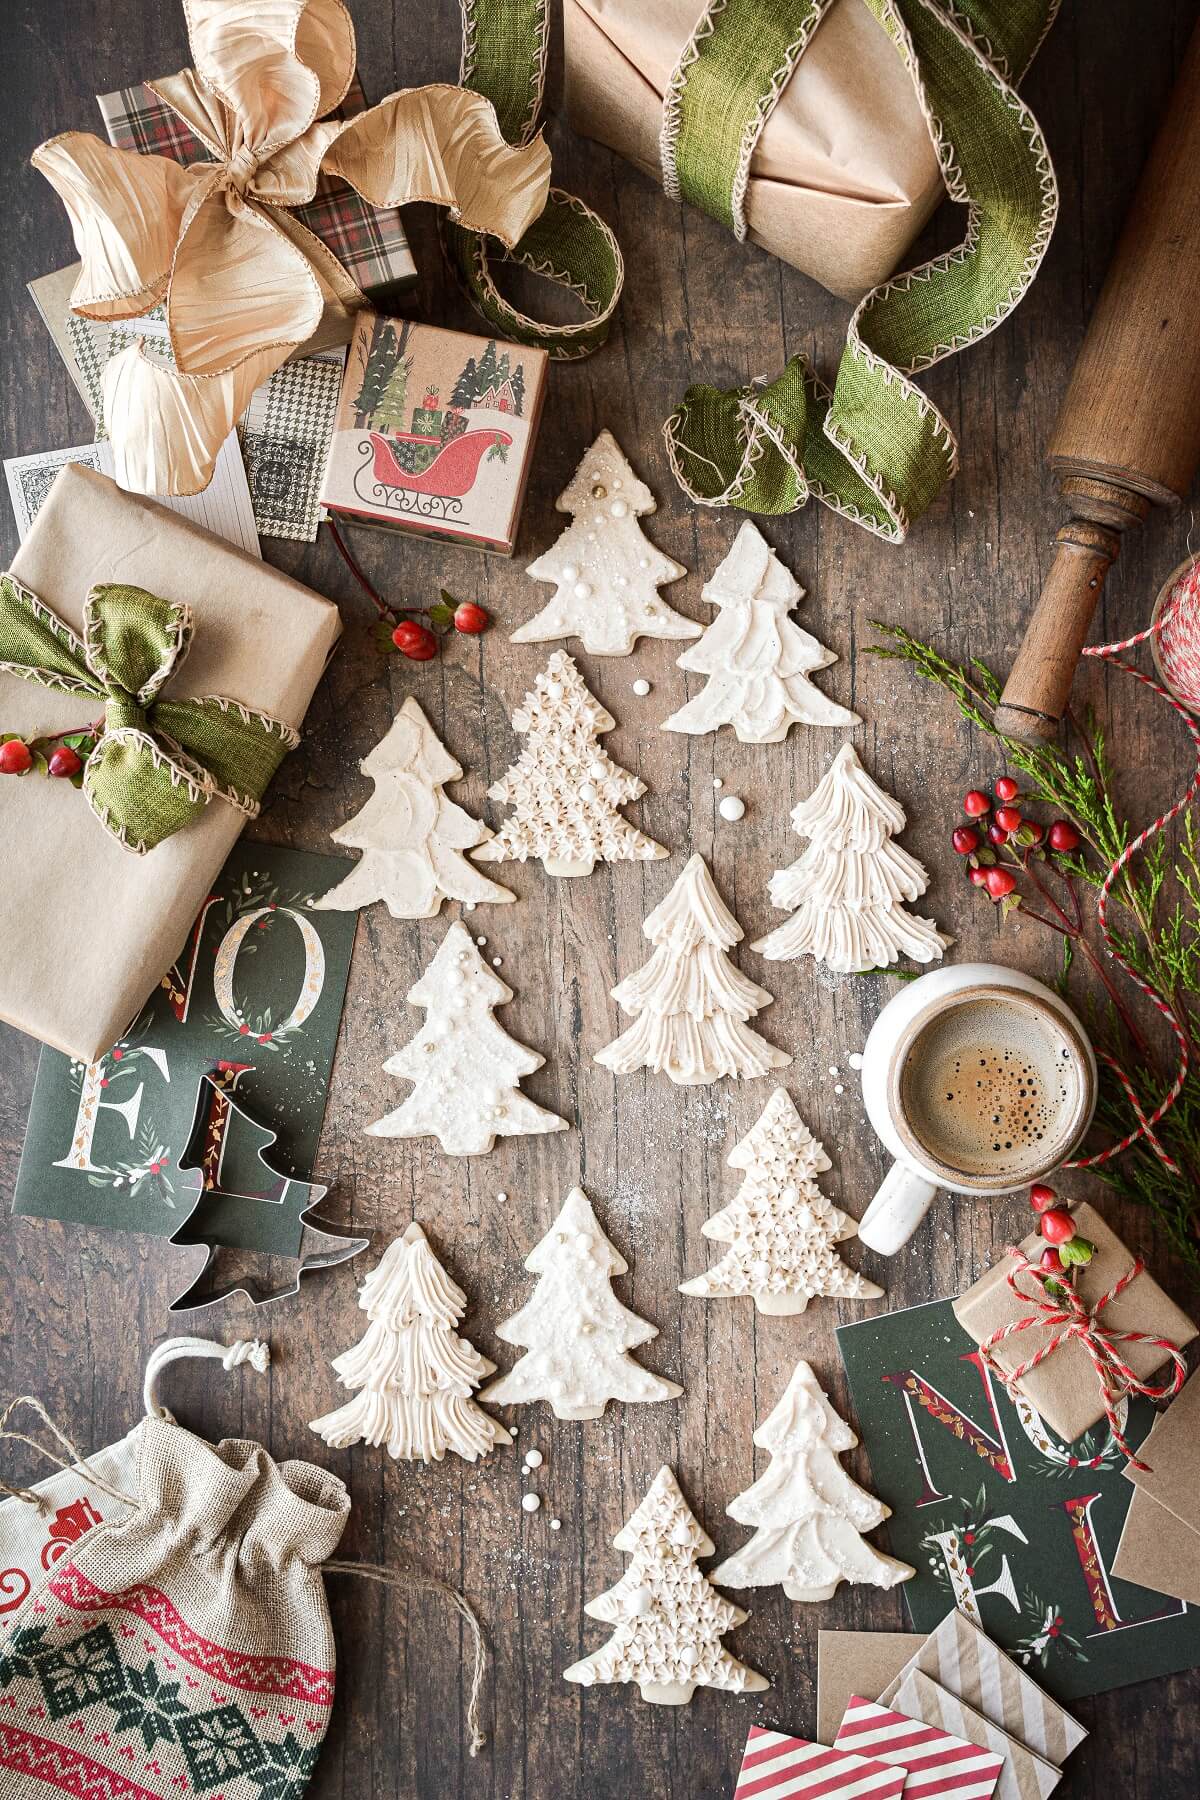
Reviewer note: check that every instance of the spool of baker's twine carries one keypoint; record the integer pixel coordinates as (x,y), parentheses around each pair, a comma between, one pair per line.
(1174,634)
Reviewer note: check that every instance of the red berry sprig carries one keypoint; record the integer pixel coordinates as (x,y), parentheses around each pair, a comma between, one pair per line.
(402,629)
(1065,1249)
(61,755)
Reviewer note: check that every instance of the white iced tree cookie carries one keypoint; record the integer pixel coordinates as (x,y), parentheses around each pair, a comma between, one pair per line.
(415,1378)
(410,835)
(574,1330)
(780,1228)
(757,660)
(607,573)
(563,788)
(669,1617)
(690,1004)
(809,1513)
(846,892)
(464,1066)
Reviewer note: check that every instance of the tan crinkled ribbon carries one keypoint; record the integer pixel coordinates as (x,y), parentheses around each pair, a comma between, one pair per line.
(243,282)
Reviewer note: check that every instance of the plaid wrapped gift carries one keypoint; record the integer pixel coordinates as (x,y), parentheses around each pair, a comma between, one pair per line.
(368,241)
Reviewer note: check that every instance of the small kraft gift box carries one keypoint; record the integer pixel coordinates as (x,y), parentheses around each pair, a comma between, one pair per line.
(435,432)
(192,664)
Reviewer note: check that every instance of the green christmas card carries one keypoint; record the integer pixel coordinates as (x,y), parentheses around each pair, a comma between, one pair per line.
(999,1517)
(254,1003)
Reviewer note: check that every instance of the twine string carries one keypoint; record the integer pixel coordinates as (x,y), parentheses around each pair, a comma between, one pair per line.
(74,1458)
(1067,1317)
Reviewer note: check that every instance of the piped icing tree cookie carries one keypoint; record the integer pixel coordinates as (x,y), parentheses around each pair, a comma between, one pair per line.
(607,573)
(563,788)
(464,1066)
(415,1378)
(780,1228)
(758,662)
(669,1617)
(574,1330)
(690,1004)
(410,835)
(846,893)
(809,1513)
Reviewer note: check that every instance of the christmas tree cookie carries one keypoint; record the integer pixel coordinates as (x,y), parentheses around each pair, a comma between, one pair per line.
(757,660)
(669,1617)
(464,1066)
(809,1513)
(410,835)
(574,1330)
(416,1378)
(689,1003)
(780,1228)
(606,572)
(564,789)
(846,892)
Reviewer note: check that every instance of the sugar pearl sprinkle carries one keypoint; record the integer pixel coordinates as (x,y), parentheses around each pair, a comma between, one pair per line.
(732,808)
(556,1524)
(534,1458)
(641,685)
(530,1503)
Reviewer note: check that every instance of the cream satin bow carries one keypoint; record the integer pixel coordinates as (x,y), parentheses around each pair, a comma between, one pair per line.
(244,282)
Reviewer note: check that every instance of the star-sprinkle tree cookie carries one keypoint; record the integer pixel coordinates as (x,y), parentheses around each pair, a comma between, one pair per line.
(563,788)
(809,1513)
(669,1617)
(846,892)
(574,1330)
(410,835)
(780,1228)
(758,661)
(416,1378)
(464,1065)
(690,1004)
(607,573)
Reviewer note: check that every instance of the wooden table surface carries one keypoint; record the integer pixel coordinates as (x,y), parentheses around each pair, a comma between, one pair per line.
(81,1309)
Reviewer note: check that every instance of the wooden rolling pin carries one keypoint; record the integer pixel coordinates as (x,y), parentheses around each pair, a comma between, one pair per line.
(1128,435)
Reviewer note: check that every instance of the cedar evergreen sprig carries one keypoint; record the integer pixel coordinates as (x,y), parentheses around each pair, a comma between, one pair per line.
(1154,919)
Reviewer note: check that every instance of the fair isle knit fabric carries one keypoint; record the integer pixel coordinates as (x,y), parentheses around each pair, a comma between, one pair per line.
(187,1650)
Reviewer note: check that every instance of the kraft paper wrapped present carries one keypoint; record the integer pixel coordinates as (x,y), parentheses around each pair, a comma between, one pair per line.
(1160,1544)
(844,175)
(91,926)
(1065,1389)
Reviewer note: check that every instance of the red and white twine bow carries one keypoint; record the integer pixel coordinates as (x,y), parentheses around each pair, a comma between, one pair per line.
(1145,1126)
(1066,1316)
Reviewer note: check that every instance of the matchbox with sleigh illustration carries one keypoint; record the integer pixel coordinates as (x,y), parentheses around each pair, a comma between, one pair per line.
(435,432)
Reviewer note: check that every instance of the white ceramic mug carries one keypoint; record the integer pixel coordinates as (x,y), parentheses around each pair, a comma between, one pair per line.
(911,1183)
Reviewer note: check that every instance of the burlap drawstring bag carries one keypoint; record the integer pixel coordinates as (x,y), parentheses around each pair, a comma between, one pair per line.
(185,1649)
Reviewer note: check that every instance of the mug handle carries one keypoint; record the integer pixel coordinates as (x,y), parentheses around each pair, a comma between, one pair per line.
(901,1202)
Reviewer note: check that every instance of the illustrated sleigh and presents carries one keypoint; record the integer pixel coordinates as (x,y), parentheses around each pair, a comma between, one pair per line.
(456,467)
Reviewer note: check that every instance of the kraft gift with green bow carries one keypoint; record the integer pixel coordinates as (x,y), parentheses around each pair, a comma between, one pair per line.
(195,665)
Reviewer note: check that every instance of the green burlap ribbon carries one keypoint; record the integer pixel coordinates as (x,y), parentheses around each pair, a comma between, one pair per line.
(875,448)
(158,761)
(504,58)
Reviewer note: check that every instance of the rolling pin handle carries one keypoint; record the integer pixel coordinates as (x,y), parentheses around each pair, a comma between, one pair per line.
(1036,692)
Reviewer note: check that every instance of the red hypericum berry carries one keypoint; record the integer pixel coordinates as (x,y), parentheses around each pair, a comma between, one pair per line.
(64,762)
(976,804)
(978,877)
(1033,831)
(414,641)
(1000,882)
(997,835)
(1058,1227)
(1007,788)
(1041,1196)
(965,839)
(1063,836)
(470,618)
(1008,818)
(1052,1262)
(15,757)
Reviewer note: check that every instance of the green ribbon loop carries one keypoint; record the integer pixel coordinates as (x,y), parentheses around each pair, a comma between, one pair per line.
(505,45)
(158,761)
(875,448)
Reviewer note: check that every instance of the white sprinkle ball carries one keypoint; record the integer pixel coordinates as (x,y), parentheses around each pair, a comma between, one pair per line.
(643,562)
(556,1524)
(732,808)
(501,1197)
(533,1459)
(495,962)
(581,590)
(618,509)
(717,782)
(833,1068)
(839,1089)
(587,790)
(530,1503)
(855,1059)
(481,942)
(570,571)
(641,686)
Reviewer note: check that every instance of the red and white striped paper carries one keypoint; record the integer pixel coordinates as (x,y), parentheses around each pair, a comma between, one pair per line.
(940,1766)
(778,1767)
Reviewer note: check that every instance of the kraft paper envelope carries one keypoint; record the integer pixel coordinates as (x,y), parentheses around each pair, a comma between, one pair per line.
(1024,1776)
(856,1662)
(1160,1545)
